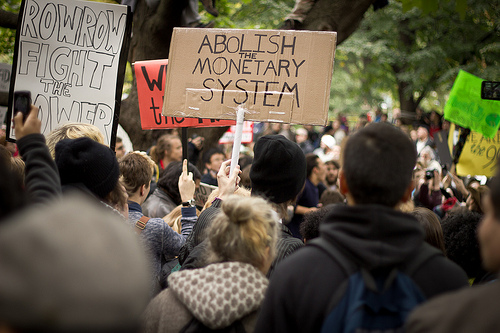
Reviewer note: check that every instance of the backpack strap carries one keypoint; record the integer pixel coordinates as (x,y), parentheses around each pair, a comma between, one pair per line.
(425,253)
(348,266)
(141,224)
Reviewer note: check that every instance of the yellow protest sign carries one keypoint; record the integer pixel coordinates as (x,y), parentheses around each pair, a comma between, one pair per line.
(479,156)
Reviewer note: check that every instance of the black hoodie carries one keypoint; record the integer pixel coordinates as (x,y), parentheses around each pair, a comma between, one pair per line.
(375,237)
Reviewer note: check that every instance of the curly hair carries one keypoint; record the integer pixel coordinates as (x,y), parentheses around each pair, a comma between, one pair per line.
(309,228)
(460,239)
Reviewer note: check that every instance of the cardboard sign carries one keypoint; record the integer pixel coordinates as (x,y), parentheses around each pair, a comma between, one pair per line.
(274,75)
(5,74)
(150,76)
(71,55)
(201,195)
(3,113)
(479,156)
(246,137)
(466,108)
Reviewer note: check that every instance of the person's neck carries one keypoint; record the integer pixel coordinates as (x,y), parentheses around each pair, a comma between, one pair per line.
(137,199)
(314,180)
(166,161)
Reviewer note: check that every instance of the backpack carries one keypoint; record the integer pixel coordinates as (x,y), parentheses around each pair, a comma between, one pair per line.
(373,301)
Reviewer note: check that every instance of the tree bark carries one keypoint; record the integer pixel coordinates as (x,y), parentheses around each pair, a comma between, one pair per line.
(8,19)
(336,15)
(151,34)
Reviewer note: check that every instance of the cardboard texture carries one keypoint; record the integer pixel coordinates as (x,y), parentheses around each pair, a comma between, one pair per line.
(276,75)
(71,56)
(201,195)
(5,73)
(150,77)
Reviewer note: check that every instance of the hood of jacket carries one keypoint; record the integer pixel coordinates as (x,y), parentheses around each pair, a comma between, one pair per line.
(373,236)
(221,293)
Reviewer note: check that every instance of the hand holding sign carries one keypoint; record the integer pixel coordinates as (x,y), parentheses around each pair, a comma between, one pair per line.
(228,183)
(186,183)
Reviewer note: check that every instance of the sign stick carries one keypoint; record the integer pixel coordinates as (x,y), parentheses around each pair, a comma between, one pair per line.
(240,117)
(184,141)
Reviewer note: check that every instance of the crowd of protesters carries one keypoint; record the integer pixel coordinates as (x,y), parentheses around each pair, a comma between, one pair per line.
(95,240)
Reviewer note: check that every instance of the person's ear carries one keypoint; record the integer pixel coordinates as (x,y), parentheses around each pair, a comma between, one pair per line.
(344,189)
(143,190)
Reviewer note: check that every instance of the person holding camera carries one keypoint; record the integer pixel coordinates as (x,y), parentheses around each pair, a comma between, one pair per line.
(430,194)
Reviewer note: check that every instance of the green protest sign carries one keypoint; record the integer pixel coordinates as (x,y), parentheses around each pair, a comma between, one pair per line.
(466,108)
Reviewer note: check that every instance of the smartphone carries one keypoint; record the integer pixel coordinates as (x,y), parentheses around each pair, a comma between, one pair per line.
(22,103)
(490,90)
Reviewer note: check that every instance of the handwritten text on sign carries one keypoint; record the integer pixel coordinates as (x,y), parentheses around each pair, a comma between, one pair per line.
(274,75)
(479,155)
(68,57)
(150,77)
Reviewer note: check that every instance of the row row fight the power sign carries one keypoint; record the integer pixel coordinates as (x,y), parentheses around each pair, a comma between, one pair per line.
(274,75)
(71,56)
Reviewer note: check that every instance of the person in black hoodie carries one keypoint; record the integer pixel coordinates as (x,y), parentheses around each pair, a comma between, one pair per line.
(378,161)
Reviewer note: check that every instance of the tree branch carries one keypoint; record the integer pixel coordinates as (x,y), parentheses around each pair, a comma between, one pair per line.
(8,19)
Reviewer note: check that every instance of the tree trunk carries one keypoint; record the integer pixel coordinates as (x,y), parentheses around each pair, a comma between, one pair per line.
(405,90)
(151,35)
(336,15)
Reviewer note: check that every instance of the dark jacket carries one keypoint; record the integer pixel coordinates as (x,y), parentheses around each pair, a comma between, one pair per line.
(374,237)
(42,181)
(158,204)
(470,310)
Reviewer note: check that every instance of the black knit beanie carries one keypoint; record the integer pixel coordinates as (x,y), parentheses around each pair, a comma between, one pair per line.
(88,162)
(278,170)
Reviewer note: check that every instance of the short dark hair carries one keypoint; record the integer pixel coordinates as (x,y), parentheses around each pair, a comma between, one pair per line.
(136,171)
(311,163)
(331,197)
(209,153)
(334,163)
(169,179)
(378,162)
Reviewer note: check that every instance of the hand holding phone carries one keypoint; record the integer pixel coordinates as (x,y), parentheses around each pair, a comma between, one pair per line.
(27,125)
(22,103)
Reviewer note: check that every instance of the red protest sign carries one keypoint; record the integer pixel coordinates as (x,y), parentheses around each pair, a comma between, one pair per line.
(150,76)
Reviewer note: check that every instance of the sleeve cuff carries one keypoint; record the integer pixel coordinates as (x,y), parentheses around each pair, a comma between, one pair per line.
(188,211)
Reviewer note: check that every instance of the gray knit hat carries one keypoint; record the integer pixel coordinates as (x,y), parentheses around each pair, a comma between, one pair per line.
(71,266)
